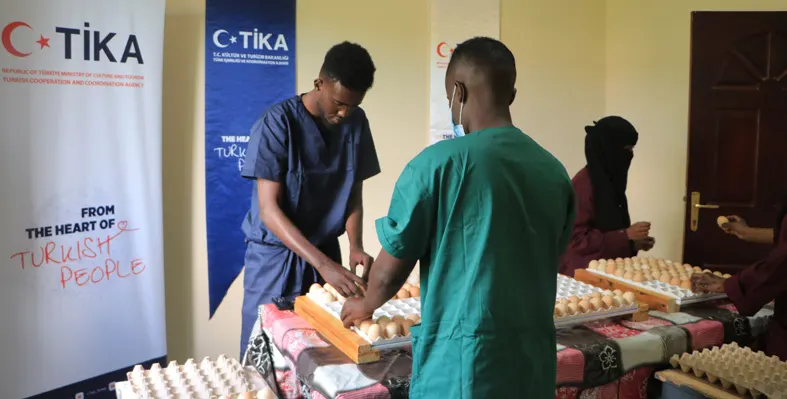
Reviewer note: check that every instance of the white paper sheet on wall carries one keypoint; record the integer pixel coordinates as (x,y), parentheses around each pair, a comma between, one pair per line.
(454,21)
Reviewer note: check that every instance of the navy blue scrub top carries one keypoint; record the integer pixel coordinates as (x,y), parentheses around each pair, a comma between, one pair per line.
(317,169)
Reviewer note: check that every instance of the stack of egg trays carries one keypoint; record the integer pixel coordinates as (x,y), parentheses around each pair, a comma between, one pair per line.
(747,372)
(682,296)
(394,307)
(567,287)
(204,380)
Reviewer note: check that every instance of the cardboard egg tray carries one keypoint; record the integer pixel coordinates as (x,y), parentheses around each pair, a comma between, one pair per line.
(568,287)
(739,369)
(394,307)
(223,378)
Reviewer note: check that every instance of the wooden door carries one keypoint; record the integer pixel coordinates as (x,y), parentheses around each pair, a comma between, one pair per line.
(737,155)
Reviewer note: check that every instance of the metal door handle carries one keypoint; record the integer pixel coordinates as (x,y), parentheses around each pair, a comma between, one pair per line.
(695,210)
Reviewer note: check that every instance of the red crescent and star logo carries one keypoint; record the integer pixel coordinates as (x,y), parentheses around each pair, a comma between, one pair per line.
(9,29)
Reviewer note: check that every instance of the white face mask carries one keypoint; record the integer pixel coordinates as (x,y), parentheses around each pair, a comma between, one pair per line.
(459,130)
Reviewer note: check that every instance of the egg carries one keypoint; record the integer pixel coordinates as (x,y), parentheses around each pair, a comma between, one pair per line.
(329,288)
(610,269)
(374,332)
(686,284)
(629,297)
(584,306)
(707,271)
(414,318)
(608,301)
(327,297)
(392,329)
(318,292)
(608,293)
(415,292)
(383,321)
(618,292)
(406,286)
(619,273)
(628,276)
(398,318)
(560,312)
(315,287)
(406,327)
(675,281)
(593,264)
(562,301)
(638,277)
(586,298)
(619,301)
(602,262)
(665,278)
(572,308)
(573,299)
(596,294)
(402,294)
(596,304)
(365,326)
(722,220)
(726,275)
(720,274)
(697,269)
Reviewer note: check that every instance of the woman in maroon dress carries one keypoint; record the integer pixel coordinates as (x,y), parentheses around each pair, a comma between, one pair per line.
(760,283)
(602,229)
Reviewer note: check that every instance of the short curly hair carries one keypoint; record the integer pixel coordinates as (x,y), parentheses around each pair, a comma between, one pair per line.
(350,65)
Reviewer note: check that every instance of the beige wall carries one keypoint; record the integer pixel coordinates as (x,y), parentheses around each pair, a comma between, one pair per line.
(647,81)
(575,64)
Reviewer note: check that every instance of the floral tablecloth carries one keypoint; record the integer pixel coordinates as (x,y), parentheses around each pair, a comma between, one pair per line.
(603,359)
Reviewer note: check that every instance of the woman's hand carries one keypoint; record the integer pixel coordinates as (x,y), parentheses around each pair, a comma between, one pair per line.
(707,283)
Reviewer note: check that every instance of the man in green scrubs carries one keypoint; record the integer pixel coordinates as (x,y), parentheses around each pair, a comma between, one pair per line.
(488,215)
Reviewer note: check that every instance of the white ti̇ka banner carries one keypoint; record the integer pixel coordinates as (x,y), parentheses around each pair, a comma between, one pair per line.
(81,263)
(454,21)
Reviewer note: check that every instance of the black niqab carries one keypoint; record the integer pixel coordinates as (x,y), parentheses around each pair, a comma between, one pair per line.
(608,163)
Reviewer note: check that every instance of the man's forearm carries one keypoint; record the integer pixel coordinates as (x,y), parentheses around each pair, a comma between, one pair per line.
(354,224)
(387,276)
(285,230)
(758,235)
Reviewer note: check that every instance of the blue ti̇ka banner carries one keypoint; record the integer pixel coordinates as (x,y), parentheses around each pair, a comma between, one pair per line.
(249,66)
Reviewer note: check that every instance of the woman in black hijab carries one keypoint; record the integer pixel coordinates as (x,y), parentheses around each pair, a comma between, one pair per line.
(603,228)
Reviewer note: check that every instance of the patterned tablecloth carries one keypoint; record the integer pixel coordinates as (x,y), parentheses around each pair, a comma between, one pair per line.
(602,359)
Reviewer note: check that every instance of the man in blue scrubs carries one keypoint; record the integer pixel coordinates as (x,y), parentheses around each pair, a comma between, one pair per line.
(308,157)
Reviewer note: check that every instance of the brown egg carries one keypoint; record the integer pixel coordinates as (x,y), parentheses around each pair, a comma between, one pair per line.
(365,326)
(620,273)
(674,281)
(558,311)
(414,318)
(608,301)
(406,327)
(383,321)
(608,293)
(618,292)
(374,332)
(573,299)
(584,306)
(406,286)
(586,298)
(392,329)
(596,304)
(628,276)
(595,294)
(619,301)
(572,308)
(638,277)
(697,269)
(415,292)
(707,271)
(720,274)
(562,301)
(402,294)
(665,278)
(629,297)
(726,275)
(610,269)
(593,264)
(398,318)
(685,284)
